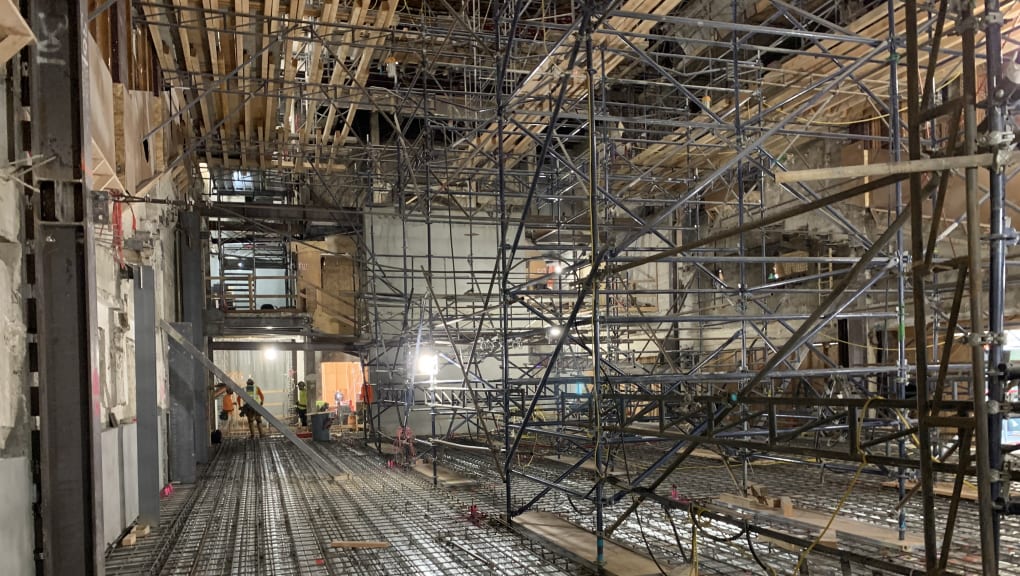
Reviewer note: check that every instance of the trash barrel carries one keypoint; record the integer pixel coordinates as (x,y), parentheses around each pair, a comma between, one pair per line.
(320,427)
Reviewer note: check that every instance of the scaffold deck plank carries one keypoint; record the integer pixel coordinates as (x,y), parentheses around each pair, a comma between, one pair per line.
(580,543)
(941,489)
(841,528)
(447,477)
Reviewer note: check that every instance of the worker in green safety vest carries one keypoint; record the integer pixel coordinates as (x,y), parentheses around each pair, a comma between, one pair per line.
(302,403)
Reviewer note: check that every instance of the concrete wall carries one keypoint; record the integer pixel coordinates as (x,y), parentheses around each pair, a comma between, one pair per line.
(152,226)
(120,479)
(16,494)
(462,262)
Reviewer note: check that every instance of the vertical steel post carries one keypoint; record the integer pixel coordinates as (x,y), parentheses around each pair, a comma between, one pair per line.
(147,409)
(999,138)
(741,244)
(192,286)
(917,231)
(502,256)
(596,345)
(989,554)
(69,504)
(182,410)
(895,144)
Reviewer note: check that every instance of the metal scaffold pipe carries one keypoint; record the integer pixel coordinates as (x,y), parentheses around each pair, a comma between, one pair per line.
(989,552)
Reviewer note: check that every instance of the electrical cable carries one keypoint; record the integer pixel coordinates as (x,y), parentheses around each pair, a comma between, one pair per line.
(842,501)
(648,547)
(709,535)
(676,534)
(641,527)
(750,546)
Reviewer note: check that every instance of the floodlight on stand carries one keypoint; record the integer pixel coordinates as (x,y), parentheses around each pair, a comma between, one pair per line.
(428,363)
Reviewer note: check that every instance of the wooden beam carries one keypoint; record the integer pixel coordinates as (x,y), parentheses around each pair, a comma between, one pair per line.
(339,69)
(15,33)
(890,168)
(365,64)
(313,72)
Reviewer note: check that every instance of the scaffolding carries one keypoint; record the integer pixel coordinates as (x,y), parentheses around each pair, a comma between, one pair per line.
(604,226)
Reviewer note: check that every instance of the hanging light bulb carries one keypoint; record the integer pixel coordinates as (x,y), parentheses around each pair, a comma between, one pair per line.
(428,364)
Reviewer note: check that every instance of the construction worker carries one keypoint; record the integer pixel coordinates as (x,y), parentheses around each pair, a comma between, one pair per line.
(302,403)
(227,405)
(249,412)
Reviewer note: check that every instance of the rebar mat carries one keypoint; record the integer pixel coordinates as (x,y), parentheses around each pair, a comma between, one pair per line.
(261,509)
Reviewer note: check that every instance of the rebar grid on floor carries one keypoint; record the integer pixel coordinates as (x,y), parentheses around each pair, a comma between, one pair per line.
(262,509)
(811,488)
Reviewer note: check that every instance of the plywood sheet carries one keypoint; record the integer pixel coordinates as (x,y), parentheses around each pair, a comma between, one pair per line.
(580,543)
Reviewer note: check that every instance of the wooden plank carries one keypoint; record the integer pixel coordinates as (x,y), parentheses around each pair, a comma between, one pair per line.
(841,528)
(215,62)
(339,73)
(15,33)
(101,105)
(887,168)
(580,544)
(588,464)
(447,478)
(941,489)
(313,73)
(375,38)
